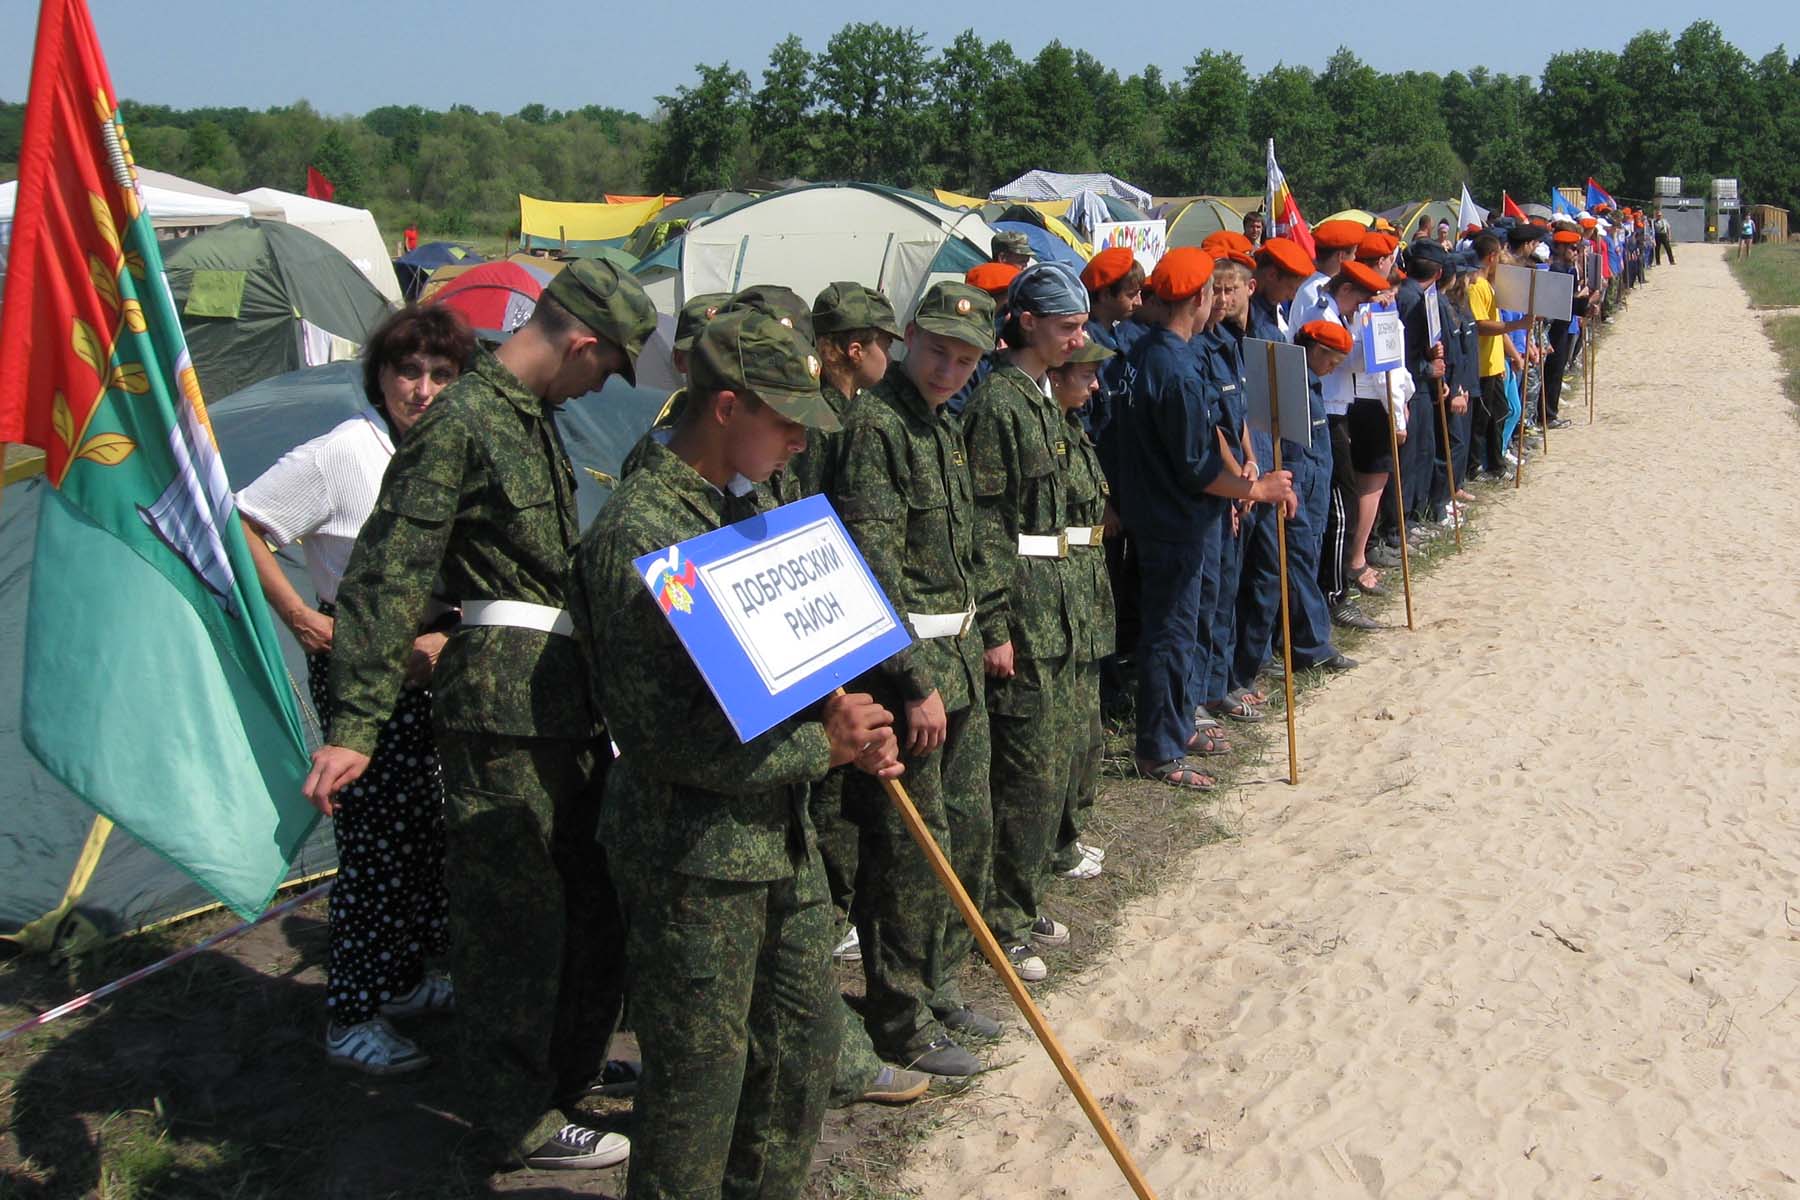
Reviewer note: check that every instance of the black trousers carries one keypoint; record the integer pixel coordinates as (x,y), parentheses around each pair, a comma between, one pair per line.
(1489,426)
(1333,580)
(1555,367)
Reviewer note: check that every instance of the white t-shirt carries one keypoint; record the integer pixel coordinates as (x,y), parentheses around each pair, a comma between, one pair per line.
(322,491)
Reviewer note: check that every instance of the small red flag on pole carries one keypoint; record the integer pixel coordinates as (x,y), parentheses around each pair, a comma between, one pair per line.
(317,186)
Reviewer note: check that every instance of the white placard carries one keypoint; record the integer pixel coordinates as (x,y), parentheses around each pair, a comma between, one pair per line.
(1552,299)
(1434,328)
(1290,375)
(1383,340)
(1146,239)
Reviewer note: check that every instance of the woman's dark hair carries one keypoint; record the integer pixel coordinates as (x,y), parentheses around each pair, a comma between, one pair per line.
(415,329)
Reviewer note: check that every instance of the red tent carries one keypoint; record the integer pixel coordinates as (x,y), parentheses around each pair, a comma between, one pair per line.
(495,297)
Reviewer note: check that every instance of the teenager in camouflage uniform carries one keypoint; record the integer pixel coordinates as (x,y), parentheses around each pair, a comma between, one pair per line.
(482,496)
(729,928)
(1019,459)
(905,495)
(1089,588)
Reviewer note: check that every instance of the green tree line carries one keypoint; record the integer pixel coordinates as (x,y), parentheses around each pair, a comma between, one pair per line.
(877,103)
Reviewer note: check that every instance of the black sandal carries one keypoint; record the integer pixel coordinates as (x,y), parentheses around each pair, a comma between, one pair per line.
(1178,773)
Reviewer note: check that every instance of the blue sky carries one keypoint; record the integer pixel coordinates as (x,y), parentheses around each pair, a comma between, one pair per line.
(348,56)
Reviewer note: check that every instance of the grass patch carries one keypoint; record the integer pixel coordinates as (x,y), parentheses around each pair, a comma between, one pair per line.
(1785,333)
(1771,275)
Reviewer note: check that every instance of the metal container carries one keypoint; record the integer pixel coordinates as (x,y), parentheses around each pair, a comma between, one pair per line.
(1668,185)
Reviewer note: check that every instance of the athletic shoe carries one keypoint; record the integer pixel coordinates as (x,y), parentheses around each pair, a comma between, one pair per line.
(374,1048)
(1337,663)
(578,1148)
(945,1057)
(1026,965)
(432,994)
(1560,423)
(1350,616)
(967,1020)
(1087,868)
(893,1085)
(1046,932)
(1383,555)
(850,949)
(1093,852)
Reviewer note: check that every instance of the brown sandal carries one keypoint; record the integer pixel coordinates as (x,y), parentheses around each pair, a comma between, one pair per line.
(1178,773)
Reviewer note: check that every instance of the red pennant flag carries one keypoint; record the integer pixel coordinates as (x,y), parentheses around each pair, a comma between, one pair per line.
(1508,208)
(317,186)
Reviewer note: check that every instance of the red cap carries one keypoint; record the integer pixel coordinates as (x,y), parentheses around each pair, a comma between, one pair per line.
(991,277)
(1285,254)
(1107,268)
(1376,245)
(1328,334)
(1181,273)
(1364,276)
(1338,235)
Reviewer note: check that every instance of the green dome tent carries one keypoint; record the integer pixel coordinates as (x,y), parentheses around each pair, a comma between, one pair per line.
(1203,216)
(261,298)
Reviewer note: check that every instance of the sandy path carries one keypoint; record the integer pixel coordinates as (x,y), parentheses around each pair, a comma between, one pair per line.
(1363,996)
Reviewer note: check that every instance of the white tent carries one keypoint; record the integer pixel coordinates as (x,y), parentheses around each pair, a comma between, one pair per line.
(351,230)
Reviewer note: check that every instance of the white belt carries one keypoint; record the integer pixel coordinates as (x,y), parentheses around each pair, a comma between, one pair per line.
(1043,545)
(1085,535)
(519,614)
(941,625)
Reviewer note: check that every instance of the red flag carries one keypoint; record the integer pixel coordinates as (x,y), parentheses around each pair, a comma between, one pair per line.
(1284,210)
(1509,209)
(317,186)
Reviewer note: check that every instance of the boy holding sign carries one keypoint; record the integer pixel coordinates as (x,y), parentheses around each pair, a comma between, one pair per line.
(729,926)
(905,494)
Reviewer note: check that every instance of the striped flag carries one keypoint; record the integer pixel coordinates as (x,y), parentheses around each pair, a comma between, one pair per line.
(154,686)
(1284,210)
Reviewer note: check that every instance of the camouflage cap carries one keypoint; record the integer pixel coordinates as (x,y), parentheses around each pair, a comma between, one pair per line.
(750,352)
(845,306)
(1092,352)
(1011,241)
(958,311)
(609,302)
(783,304)
(695,314)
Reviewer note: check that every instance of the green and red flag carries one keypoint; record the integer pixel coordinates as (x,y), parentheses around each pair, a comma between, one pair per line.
(154,685)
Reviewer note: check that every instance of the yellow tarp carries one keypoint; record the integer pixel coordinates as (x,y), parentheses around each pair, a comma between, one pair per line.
(1050,208)
(557,220)
(665,201)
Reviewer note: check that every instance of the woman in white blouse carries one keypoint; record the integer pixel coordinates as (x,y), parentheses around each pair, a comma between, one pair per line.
(388,908)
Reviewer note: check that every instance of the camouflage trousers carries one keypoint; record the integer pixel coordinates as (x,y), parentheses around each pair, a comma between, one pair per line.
(538,940)
(837,835)
(1036,742)
(731,997)
(913,940)
(1084,780)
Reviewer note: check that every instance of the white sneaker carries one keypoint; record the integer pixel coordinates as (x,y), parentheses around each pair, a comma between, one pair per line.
(850,949)
(1087,868)
(1093,852)
(1026,965)
(374,1048)
(1048,932)
(432,994)
(578,1148)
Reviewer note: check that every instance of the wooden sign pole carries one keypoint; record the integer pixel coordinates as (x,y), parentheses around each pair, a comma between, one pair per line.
(1530,304)
(1593,373)
(1449,462)
(1399,499)
(1287,631)
(990,949)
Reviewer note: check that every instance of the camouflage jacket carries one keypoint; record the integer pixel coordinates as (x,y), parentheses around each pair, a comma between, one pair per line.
(480,493)
(671,412)
(1018,458)
(1091,620)
(904,493)
(685,795)
(814,471)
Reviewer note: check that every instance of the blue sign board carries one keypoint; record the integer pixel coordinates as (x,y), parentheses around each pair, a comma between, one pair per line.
(776,611)
(1383,339)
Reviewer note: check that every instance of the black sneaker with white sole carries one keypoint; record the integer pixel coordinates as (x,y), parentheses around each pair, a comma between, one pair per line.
(578,1148)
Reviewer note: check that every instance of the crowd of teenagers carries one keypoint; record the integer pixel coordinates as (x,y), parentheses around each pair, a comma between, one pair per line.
(544,821)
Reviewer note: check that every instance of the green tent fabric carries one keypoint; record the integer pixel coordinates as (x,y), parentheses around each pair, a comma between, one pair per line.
(44,828)
(1203,216)
(245,287)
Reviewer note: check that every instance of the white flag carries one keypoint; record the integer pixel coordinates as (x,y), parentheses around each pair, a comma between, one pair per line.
(1469,213)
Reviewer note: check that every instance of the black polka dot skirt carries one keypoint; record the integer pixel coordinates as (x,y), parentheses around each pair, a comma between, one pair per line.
(389,908)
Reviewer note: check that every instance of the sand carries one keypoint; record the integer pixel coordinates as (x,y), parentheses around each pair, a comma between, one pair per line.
(1530,924)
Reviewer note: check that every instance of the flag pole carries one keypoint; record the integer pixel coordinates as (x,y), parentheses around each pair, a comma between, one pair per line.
(1399,499)
(990,949)
(1287,633)
(1440,388)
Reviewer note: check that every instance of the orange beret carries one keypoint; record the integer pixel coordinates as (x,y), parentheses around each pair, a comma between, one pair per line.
(1566,237)
(1364,276)
(1223,241)
(1590,222)
(1286,255)
(1376,245)
(1338,235)
(1107,268)
(991,277)
(1181,273)
(1328,334)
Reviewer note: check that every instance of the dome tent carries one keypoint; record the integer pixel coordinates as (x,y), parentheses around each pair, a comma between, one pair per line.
(261,298)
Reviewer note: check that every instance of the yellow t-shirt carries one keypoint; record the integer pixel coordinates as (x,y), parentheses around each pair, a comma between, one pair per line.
(1484,307)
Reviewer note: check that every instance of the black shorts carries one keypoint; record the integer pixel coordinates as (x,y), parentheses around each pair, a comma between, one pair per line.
(1371,449)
